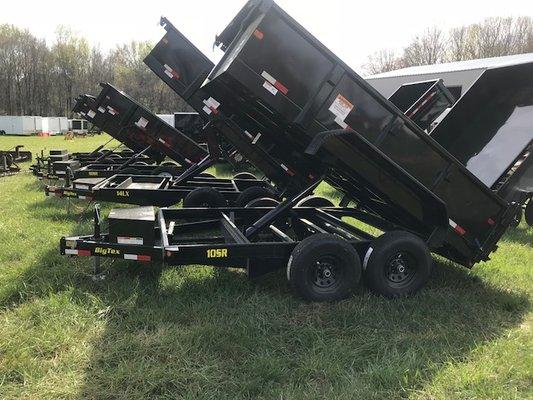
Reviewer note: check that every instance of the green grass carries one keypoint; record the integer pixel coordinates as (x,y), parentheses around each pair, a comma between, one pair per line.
(150,332)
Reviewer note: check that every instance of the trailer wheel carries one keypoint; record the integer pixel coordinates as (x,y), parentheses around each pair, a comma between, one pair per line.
(114,155)
(324,267)
(252,193)
(165,171)
(169,164)
(397,264)
(262,202)
(315,201)
(529,212)
(204,197)
(139,163)
(245,175)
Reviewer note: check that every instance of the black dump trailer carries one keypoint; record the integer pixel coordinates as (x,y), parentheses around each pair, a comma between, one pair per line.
(423,102)
(276,78)
(101,161)
(135,126)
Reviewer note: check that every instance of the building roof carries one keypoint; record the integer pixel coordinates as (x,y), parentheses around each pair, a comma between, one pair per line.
(483,63)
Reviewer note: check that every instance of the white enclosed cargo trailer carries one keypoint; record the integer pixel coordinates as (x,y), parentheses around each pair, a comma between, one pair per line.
(55,125)
(20,125)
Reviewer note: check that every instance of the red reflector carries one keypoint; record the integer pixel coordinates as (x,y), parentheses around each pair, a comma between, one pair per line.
(214,110)
(291,173)
(460,230)
(490,221)
(84,253)
(144,258)
(281,87)
(258,34)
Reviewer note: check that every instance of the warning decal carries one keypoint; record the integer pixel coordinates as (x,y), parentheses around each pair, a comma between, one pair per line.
(142,122)
(91,114)
(341,108)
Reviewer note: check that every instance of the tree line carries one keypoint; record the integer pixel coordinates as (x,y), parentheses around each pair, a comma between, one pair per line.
(41,79)
(493,37)
(37,79)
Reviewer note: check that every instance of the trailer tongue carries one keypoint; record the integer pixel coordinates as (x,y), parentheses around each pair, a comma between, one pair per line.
(284,98)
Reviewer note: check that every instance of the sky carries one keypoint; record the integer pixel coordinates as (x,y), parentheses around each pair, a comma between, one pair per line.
(351,29)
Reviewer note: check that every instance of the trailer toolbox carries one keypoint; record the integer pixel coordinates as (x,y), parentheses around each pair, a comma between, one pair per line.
(132,226)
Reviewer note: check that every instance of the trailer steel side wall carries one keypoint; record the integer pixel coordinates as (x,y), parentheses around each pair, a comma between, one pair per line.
(490,126)
(280,73)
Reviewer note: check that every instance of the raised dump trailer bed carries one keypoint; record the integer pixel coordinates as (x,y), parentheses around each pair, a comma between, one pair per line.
(423,102)
(276,76)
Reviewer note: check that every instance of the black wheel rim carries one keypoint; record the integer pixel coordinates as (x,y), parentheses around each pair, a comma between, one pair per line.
(326,274)
(401,269)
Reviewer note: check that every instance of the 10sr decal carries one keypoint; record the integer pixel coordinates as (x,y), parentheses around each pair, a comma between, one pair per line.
(217,253)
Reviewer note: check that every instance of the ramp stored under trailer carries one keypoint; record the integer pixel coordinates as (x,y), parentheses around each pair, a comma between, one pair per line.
(279,79)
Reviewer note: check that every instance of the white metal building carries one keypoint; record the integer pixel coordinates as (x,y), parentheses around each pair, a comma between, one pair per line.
(457,76)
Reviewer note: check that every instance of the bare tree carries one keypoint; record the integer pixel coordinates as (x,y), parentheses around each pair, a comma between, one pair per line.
(382,61)
(427,48)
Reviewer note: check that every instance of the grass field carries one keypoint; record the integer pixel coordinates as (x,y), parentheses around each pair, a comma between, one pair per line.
(194,333)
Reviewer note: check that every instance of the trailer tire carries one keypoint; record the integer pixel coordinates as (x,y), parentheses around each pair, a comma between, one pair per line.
(528,212)
(262,202)
(170,164)
(204,197)
(397,264)
(245,175)
(324,267)
(315,201)
(166,171)
(252,193)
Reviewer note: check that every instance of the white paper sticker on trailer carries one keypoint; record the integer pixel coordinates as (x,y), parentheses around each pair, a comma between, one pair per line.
(142,122)
(101,109)
(130,240)
(91,114)
(207,110)
(268,86)
(341,108)
(168,73)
